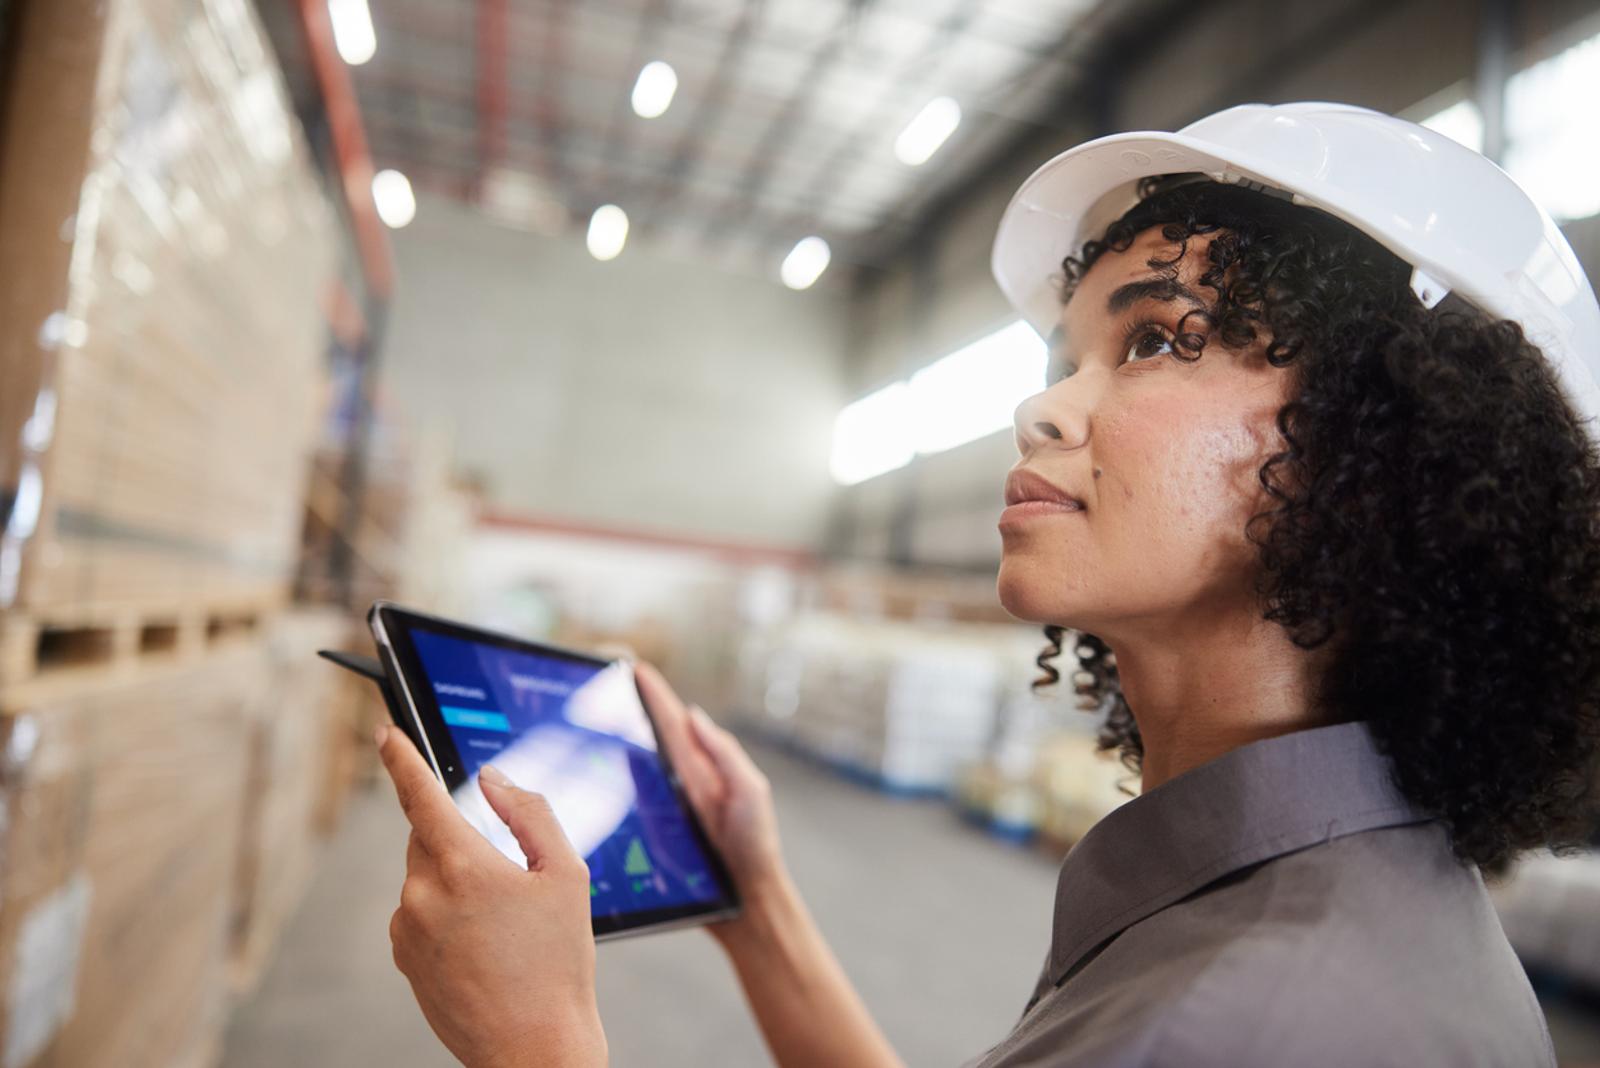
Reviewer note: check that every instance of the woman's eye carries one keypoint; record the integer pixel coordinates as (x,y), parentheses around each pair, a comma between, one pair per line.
(1146,343)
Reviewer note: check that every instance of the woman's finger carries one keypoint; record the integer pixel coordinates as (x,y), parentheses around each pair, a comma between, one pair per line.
(696,770)
(663,705)
(658,695)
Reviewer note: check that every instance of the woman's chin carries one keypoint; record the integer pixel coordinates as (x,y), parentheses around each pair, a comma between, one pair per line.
(1027,594)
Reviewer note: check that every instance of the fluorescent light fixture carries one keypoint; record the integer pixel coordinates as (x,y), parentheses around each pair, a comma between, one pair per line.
(974,391)
(608,232)
(397,205)
(873,435)
(1550,149)
(352,30)
(1462,122)
(969,394)
(924,134)
(805,263)
(1550,143)
(652,92)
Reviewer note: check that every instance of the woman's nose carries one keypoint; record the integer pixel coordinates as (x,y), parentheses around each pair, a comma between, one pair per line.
(1049,417)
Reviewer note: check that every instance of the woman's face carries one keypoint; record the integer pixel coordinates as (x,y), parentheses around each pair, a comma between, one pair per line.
(1163,454)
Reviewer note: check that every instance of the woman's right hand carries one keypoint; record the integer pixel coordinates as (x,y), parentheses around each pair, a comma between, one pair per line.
(728,792)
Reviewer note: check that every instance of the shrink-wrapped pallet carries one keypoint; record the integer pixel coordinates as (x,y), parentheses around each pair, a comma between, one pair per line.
(166,247)
(903,704)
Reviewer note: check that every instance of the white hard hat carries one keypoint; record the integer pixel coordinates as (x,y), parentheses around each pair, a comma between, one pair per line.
(1460,221)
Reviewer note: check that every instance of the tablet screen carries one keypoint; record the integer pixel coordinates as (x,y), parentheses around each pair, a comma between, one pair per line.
(574,730)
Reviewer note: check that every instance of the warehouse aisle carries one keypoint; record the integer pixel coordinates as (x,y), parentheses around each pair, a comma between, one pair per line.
(941,928)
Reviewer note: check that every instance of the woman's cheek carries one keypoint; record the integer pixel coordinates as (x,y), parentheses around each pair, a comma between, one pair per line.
(1184,480)
(1223,493)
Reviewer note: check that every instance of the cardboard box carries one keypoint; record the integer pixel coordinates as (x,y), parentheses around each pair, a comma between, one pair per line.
(287,771)
(119,864)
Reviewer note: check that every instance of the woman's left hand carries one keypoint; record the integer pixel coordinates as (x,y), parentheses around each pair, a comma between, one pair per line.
(501,959)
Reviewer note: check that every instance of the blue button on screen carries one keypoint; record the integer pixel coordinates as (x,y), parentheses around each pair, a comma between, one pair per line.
(475,718)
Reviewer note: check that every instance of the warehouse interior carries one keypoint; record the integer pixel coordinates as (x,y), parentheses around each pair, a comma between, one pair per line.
(653,328)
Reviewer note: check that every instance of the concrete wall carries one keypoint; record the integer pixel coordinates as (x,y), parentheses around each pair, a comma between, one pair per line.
(642,393)
(1388,55)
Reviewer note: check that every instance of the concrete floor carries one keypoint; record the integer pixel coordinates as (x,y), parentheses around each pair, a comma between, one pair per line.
(942,930)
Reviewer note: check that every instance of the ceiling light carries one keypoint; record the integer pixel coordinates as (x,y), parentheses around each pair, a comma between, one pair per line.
(397,205)
(352,30)
(652,93)
(608,232)
(924,134)
(805,263)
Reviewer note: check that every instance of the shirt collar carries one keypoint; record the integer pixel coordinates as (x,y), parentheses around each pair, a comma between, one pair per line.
(1249,805)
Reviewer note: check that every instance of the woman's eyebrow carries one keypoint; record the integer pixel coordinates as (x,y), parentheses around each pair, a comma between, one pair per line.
(1155,287)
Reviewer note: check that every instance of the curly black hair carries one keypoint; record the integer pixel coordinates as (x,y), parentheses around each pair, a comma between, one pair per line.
(1435,526)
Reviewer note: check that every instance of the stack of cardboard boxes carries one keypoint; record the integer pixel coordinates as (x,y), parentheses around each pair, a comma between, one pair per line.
(166,735)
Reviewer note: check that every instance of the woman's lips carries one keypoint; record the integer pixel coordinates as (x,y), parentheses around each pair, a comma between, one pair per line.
(1023,511)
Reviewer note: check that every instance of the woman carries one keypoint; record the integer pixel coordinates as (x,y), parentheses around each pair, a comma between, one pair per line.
(1329,537)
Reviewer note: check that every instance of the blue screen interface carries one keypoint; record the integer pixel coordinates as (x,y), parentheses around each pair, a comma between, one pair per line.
(576,733)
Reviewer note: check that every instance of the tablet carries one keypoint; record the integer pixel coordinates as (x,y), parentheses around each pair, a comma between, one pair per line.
(574,728)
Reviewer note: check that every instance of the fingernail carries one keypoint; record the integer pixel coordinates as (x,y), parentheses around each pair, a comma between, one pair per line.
(381,734)
(493,775)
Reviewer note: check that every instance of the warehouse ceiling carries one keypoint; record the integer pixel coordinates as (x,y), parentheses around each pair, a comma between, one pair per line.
(783,124)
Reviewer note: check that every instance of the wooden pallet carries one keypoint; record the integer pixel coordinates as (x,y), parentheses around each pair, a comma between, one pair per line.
(40,650)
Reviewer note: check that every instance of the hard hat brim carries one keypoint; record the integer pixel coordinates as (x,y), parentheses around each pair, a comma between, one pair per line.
(1461,223)
(1073,198)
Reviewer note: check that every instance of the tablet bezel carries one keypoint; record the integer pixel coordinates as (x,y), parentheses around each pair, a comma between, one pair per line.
(391,626)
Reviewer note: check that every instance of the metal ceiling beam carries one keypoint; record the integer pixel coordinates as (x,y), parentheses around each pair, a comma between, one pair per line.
(1097,47)
(350,148)
(1495,35)
(620,127)
(759,171)
(486,93)
(1342,22)
(547,96)
(833,174)
(709,111)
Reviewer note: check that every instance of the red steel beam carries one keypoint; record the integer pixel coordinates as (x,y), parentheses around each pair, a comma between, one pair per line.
(492,85)
(349,147)
(553,59)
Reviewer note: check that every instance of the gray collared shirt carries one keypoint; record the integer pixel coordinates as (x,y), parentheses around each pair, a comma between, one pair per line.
(1282,905)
